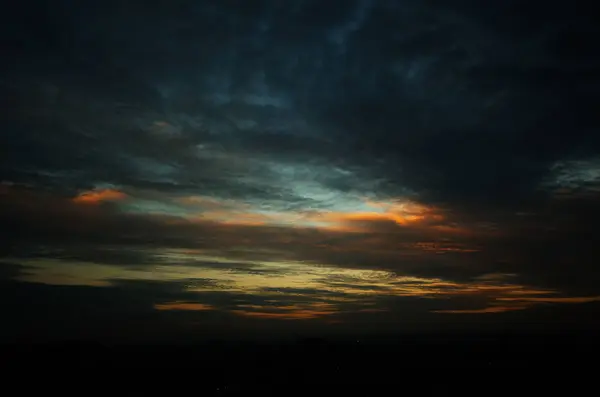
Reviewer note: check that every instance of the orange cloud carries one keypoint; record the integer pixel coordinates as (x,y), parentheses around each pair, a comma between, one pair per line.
(402,214)
(183,306)
(491,309)
(99,196)
(291,315)
(523,302)
(288,312)
(455,230)
(442,248)
(370,212)
(238,218)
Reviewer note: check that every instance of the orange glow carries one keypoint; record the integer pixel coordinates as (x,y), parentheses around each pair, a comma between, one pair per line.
(292,315)
(240,213)
(374,217)
(442,248)
(452,230)
(399,214)
(242,219)
(99,196)
(183,306)
(288,312)
(236,217)
(491,309)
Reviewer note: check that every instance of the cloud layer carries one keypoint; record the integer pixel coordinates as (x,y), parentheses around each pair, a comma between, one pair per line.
(320,161)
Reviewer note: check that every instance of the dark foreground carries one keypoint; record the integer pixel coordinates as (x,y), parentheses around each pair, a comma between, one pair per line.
(317,361)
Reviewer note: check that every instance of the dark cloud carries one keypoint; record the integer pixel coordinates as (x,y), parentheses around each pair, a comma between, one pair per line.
(445,97)
(309,293)
(32,311)
(9,270)
(262,114)
(126,311)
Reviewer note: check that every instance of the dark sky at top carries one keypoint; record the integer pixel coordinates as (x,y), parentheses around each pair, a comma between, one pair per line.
(265,168)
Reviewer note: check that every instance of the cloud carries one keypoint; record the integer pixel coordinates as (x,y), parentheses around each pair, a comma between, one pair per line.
(99,196)
(198,280)
(177,305)
(430,245)
(443,143)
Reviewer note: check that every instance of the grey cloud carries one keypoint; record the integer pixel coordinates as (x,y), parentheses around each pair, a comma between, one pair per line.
(445,99)
(363,287)
(306,294)
(484,112)
(120,255)
(164,291)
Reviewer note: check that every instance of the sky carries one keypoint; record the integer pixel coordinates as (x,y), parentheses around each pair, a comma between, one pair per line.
(257,169)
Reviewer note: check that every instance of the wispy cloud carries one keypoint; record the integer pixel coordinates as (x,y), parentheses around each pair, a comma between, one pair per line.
(290,290)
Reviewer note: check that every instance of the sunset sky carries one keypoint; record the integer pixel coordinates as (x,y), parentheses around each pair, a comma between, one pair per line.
(271,168)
